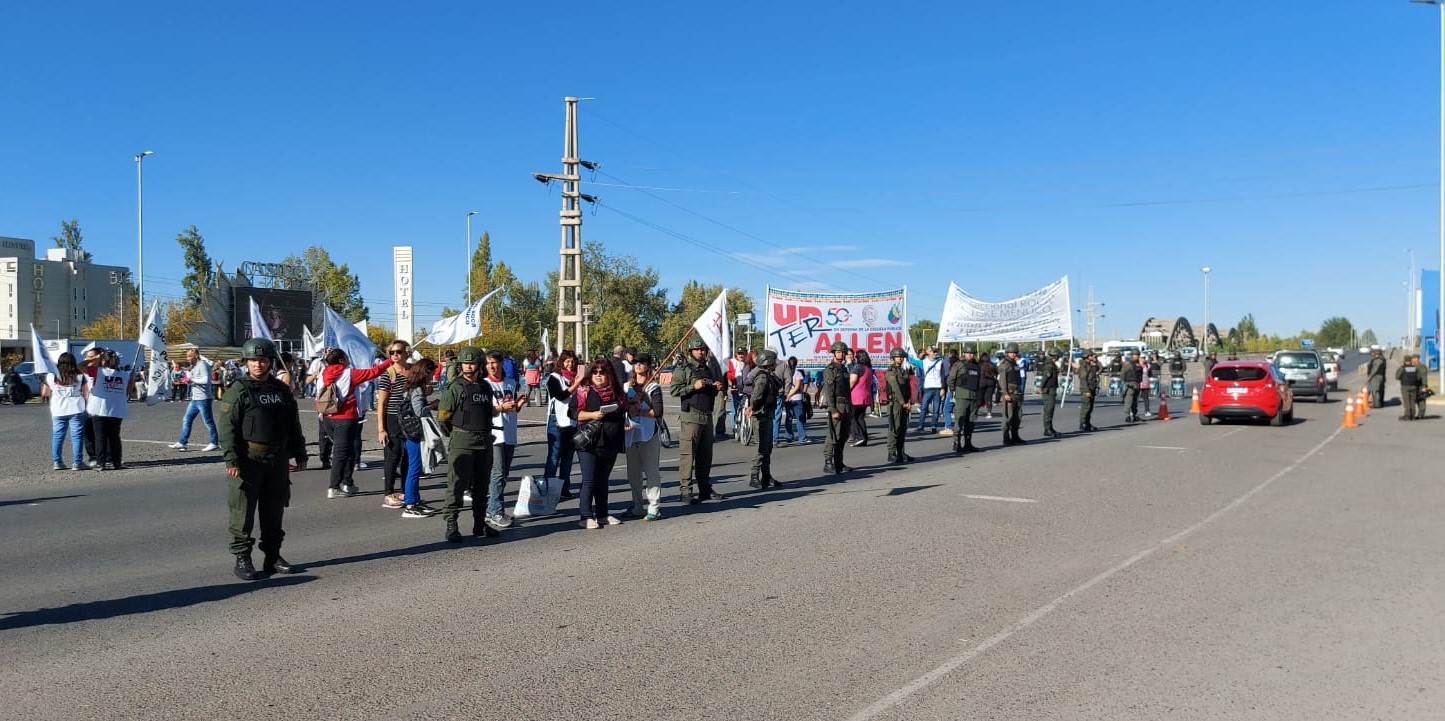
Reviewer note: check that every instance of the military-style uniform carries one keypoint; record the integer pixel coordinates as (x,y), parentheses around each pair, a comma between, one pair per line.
(1049,389)
(1088,380)
(1411,381)
(261,431)
(1132,375)
(1375,379)
(835,397)
(465,407)
(763,403)
(898,380)
(965,379)
(1011,386)
(696,416)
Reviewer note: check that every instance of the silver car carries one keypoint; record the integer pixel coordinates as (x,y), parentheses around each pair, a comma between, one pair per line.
(1305,372)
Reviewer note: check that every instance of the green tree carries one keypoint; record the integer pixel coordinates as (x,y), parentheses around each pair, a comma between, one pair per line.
(1336,332)
(198,265)
(1367,337)
(1247,328)
(70,238)
(923,333)
(695,299)
(480,271)
(335,285)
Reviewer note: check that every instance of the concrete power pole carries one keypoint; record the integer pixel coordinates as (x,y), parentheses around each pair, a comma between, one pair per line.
(1091,314)
(569,274)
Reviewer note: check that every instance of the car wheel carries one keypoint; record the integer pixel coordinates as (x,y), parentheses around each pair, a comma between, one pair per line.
(1323,397)
(1278,418)
(1289,418)
(1204,419)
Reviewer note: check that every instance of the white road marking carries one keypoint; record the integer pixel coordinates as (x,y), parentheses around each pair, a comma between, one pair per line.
(1038,614)
(159,443)
(1166,448)
(1001,498)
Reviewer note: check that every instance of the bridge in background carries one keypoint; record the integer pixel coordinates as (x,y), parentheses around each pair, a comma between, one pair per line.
(1167,333)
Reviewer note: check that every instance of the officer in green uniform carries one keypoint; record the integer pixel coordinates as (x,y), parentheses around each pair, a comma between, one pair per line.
(964,380)
(697,383)
(1411,380)
(898,380)
(835,397)
(465,407)
(1049,389)
(1133,377)
(1375,378)
(1088,380)
(763,403)
(261,430)
(1011,387)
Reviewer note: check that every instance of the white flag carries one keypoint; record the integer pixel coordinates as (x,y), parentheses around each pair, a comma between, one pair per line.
(259,329)
(460,327)
(713,327)
(158,373)
(42,359)
(311,344)
(151,337)
(360,351)
(546,343)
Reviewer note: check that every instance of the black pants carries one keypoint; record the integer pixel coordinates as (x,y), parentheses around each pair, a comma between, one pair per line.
(90,437)
(860,424)
(596,470)
(394,465)
(344,435)
(107,440)
(323,443)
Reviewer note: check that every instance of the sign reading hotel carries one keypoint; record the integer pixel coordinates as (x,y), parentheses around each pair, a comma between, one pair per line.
(401,272)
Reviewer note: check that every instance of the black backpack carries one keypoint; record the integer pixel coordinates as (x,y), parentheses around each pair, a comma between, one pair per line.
(409,421)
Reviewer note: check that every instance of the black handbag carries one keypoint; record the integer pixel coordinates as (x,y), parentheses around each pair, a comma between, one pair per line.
(588,435)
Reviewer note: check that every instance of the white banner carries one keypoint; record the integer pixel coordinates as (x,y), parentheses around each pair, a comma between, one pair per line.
(806,325)
(401,275)
(712,326)
(311,344)
(1041,315)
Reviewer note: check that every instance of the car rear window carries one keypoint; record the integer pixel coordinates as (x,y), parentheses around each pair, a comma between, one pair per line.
(1296,360)
(1238,374)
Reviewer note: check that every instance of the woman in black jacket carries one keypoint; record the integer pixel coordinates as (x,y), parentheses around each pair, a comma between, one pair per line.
(600,400)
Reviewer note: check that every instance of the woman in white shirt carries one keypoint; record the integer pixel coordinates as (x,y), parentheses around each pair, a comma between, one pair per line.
(68,392)
(107,407)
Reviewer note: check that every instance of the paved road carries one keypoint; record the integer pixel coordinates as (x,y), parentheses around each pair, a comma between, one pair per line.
(1161,571)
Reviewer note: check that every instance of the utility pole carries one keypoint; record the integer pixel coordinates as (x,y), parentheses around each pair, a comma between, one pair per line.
(569,275)
(1091,314)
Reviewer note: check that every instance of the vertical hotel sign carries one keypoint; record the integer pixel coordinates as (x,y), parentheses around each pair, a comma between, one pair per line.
(401,272)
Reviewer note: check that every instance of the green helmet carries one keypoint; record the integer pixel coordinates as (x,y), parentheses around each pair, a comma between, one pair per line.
(767,359)
(898,353)
(470,355)
(1011,348)
(695,343)
(1054,353)
(839,345)
(970,347)
(258,348)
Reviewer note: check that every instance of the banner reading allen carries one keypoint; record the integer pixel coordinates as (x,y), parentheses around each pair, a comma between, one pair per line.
(806,324)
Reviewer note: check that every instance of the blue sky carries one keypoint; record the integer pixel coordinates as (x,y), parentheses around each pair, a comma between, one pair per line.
(1291,147)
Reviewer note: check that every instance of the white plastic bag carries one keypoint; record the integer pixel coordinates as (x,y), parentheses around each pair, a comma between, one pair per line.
(537,497)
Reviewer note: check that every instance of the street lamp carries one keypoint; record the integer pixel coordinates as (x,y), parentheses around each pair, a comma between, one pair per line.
(140,261)
(468,265)
(1441,310)
(1206,311)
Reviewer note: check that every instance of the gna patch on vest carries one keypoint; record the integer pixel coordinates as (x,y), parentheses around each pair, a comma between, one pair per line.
(268,399)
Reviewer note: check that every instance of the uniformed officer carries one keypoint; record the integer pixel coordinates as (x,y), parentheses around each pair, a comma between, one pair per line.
(1049,389)
(260,430)
(1132,374)
(465,407)
(762,404)
(1375,378)
(899,382)
(1410,383)
(1088,380)
(834,396)
(1011,389)
(965,379)
(697,382)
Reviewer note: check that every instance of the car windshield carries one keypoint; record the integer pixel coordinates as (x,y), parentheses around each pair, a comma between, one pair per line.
(1233,373)
(1296,360)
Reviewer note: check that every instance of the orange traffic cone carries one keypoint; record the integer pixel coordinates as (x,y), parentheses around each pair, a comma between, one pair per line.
(1350,414)
(1362,403)
(1163,408)
(1194,404)
(1360,411)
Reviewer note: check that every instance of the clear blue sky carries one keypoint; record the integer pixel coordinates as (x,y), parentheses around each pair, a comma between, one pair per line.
(1291,147)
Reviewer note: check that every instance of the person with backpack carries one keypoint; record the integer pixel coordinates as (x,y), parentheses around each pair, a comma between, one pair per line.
(644,443)
(504,435)
(413,409)
(337,401)
(388,433)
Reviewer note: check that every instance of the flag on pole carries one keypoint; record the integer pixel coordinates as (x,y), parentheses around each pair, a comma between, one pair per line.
(259,329)
(311,345)
(42,359)
(337,332)
(462,326)
(546,343)
(713,327)
(158,372)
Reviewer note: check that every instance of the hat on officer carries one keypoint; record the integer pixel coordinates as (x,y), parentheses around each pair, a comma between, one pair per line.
(839,345)
(1054,353)
(898,353)
(643,358)
(696,342)
(1088,353)
(1011,348)
(970,347)
(470,355)
(767,359)
(258,348)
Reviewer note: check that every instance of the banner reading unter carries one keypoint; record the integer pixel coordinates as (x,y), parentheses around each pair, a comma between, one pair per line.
(1041,315)
(806,324)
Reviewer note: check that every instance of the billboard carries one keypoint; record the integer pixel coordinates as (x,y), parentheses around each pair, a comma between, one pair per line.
(284,311)
(806,324)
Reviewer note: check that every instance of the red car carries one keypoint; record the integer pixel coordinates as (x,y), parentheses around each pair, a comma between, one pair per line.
(1246,389)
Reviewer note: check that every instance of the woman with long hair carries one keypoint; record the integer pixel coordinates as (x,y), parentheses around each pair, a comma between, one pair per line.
(345,423)
(106,405)
(418,382)
(561,383)
(644,444)
(68,392)
(599,399)
(860,376)
(793,397)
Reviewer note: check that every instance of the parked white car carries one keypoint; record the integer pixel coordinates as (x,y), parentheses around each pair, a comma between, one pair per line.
(1332,369)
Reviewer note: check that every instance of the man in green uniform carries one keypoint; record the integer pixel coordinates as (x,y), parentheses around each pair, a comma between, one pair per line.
(1049,389)
(260,430)
(835,397)
(1411,381)
(763,403)
(899,382)
(1088,380)
(465,407)
(965,379)
(697,383)
(1375,378)
(1133,377)
(1011,388)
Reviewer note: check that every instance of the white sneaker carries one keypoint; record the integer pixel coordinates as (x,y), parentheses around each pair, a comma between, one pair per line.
(178,446)
(335,493)
(361,466)
(467,496)
(210,447)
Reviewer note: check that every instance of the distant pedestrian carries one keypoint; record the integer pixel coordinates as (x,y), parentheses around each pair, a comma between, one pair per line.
(763,399)
(1375,378)
(198,382)
(933,372)
(465,410)
(1411,382)
(107,406)
(644,443)
(68,392)
(1049,389)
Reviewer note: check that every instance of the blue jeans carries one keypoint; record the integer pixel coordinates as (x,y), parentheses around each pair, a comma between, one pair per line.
(497,483)
(932,400)
(411,485)
(948,412)
(74,424)
(778,420)
(559,453)
(203,408)
(795,409)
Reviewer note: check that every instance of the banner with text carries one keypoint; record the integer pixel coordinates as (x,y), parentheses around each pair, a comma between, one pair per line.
(806,324)
(1041,315)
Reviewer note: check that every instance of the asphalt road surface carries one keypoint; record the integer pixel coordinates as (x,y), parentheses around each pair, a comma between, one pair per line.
(1160,571)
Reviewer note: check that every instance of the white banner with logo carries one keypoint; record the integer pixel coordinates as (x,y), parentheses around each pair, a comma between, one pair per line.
(805,325)
(1041,315)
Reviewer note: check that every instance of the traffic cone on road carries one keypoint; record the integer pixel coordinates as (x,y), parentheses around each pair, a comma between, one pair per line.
(1164,408)
(1362,403)
(1350,414)
(1359,412)
(1194,404)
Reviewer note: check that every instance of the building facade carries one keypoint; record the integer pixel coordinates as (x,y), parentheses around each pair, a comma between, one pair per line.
(58,294)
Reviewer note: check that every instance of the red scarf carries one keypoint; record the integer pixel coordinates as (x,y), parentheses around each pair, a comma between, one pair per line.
(604,393)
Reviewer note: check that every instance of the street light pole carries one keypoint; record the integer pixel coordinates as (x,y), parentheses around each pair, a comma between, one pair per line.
(140,260)
(1206,310)
(468,265)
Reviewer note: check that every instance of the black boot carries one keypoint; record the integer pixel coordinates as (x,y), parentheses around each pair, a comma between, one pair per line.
(753,480)
(957,445)
(454,534)
(968,446)
(274,563)
(480,529)
(244,570)
(1018,439)
(770,482)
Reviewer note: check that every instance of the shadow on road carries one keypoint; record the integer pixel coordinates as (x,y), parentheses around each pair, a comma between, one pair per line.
(143,603)
(26,501)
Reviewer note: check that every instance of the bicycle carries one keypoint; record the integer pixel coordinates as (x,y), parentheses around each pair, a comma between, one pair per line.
(665,433)
(743,423)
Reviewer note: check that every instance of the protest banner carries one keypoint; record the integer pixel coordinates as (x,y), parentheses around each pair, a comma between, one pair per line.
(805,325)
(1041,315)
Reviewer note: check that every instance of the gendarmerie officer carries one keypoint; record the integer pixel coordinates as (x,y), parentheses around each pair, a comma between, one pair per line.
(1411,381)
(1011,389)
(1049,390)
(1132,374)
(697,383)
(965,378)
(1088,380)
(260,431)
(465,407)
(762,404)
(1375,378)
(899,382)
(835,396)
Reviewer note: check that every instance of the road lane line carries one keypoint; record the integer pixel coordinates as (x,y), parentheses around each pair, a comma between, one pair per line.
(1166,448)
(1000,498)
(953,664)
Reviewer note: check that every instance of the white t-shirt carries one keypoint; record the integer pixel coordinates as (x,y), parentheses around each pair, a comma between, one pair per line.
(200,377)
(934,371)
(504,423)
(67,400)
(107,396)
(797,381)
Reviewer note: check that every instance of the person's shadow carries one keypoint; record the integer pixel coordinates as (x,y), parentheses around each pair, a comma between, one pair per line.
(141,603)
